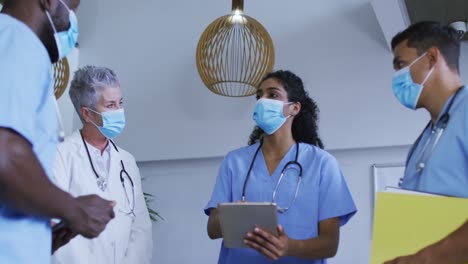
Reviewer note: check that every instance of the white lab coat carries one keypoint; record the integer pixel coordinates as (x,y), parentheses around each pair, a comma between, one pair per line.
(126,239)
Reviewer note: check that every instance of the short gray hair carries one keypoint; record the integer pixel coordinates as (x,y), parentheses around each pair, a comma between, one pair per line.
(87,84)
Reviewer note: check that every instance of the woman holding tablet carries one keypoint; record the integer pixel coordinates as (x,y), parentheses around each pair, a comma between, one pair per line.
(285,164)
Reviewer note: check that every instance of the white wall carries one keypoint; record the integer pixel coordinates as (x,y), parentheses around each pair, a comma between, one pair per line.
(337,47)
(183,187)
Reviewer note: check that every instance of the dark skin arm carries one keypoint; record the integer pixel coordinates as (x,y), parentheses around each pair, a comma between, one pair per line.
(214,227)
(24,184)
(61,236)
(451,250)
(25,187)
(274,247)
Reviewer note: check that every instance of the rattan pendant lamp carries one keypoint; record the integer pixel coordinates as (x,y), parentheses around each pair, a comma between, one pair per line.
(234,53)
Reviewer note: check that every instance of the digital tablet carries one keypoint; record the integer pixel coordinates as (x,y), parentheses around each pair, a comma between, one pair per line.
(237,219)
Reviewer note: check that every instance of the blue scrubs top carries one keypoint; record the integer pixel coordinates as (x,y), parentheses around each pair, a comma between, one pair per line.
(27,107)
(446,170)
(323,194)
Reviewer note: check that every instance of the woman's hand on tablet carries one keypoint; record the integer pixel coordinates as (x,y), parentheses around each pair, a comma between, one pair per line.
(271,246)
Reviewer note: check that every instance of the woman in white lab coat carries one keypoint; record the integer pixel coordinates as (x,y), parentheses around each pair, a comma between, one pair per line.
(89,162)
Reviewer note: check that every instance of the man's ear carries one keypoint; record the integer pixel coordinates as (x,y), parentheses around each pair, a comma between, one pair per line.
(46,4)
(434,56)
(49,5)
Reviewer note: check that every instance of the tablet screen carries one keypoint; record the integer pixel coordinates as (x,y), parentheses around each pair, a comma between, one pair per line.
(237,219)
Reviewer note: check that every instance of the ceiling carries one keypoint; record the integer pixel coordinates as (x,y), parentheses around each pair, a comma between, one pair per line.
(445,11)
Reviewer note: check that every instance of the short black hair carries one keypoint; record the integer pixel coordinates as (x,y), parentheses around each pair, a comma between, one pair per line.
(427,34)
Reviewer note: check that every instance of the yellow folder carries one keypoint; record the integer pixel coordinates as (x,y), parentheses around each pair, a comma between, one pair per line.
(405,223)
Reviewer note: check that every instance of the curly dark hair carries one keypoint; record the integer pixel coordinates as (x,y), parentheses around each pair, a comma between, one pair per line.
(304,127)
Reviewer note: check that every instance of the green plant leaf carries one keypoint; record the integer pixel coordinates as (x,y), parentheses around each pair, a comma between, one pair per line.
(152,213)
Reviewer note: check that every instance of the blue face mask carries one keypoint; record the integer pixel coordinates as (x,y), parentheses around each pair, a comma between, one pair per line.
(65,40)
(113,122)
(268,114)
(405,89)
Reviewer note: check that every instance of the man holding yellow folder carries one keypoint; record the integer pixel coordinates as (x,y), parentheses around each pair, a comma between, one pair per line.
(426,60)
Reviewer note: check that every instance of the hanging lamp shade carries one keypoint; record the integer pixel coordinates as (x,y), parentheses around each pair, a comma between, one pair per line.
(234,53)
(61,77)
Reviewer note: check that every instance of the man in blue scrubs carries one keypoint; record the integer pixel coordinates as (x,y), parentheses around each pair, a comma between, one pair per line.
(34,33)
(426,58)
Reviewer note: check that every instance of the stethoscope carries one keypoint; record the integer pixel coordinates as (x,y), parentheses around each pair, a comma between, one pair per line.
(123,173)
(420,163)
(285,167)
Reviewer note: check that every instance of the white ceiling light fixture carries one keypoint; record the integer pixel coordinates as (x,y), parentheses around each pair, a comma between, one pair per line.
(460,27)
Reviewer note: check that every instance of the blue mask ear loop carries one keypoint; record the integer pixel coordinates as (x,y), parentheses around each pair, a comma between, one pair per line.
(288,104)
(51,22)
(428,74)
